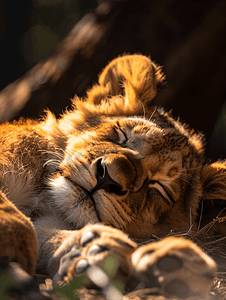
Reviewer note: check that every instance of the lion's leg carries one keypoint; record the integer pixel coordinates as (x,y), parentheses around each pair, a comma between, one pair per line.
(175,266)
(51,232)
(18,241)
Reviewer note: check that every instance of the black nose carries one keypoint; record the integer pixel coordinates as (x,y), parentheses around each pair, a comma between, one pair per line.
(104,181)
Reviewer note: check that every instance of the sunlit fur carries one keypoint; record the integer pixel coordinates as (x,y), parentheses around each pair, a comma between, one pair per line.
(47,166)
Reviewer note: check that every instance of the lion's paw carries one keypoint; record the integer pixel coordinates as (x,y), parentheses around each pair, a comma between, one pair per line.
(18,240)
(175,265)
(91,246)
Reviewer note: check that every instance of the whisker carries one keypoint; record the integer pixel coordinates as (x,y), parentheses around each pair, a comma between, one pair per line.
(142,107)
(190,218)
(149,119)
(53,153)
(183,173)
(144,221)
(53,162)
(135,223)
(188,169)
(187,181)
(186,177)
(200,218)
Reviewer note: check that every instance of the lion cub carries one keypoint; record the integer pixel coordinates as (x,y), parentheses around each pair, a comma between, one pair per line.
(112,159)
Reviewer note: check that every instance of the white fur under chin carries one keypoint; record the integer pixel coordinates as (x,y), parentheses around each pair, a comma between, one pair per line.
(77,208)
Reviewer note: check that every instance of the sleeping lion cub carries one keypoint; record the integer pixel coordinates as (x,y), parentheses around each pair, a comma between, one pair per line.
(112,160)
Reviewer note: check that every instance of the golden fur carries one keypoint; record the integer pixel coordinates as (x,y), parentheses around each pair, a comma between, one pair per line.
(112,159)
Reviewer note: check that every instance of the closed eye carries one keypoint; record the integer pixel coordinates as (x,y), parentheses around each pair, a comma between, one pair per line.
(163,190)
(121,136)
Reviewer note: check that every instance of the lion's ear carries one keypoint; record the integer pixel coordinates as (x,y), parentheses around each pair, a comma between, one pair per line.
(213,179)
(135,77)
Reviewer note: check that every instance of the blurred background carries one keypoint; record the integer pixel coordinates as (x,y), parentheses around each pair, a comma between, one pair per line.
(53,49)
(32,29)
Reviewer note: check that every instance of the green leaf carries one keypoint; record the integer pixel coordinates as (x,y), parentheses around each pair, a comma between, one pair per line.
(69,290)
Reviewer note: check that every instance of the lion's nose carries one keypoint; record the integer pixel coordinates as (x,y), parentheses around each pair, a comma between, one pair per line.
(112,173)
(104,181)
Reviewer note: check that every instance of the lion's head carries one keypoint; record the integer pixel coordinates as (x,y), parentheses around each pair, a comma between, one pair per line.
(124,163)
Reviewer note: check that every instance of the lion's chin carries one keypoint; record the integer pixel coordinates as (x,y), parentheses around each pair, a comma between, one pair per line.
(83,217)
(82,212)
(77,208)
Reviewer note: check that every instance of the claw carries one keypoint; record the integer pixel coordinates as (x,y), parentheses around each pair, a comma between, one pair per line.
(88,237)
(82,266)
(95,249)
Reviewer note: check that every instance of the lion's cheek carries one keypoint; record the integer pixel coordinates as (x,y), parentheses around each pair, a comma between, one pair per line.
(71,200)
